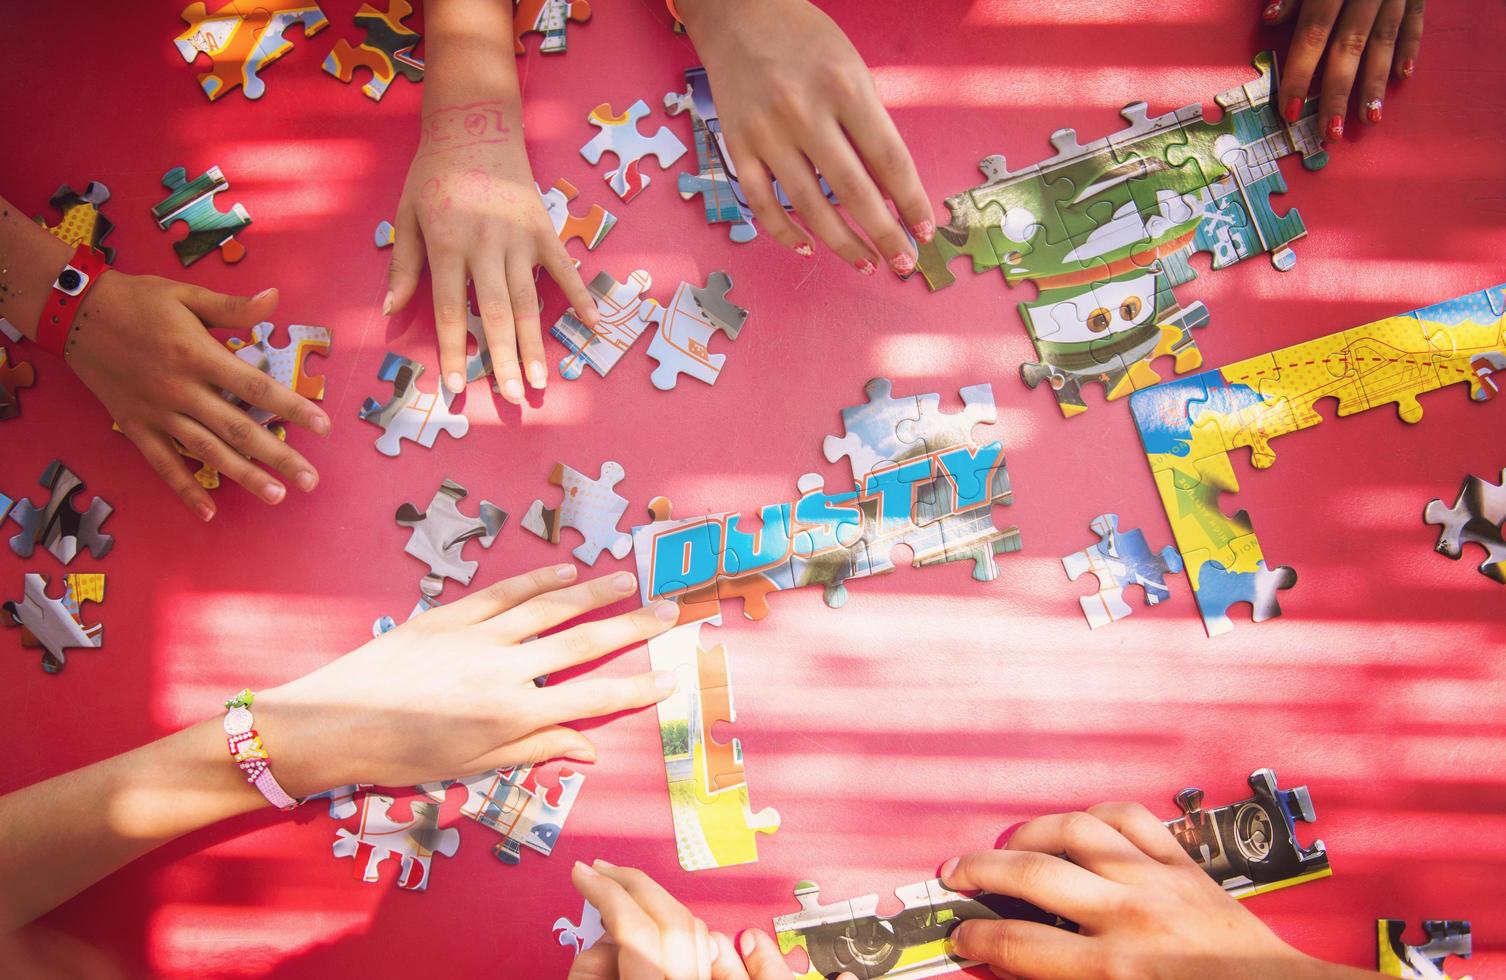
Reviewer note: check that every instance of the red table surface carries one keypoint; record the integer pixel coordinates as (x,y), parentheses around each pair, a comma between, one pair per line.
(931,712)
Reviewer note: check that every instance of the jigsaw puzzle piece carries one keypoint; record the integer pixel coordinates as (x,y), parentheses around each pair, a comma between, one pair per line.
(1475,518)
(969,231)
(719,197)
(871,432)
(342,799)
(379,836)
(590,228)
(757,563)
(57,625)
(81,222)
(1395,957)
(591,507)
(386,624)
(549,18)
(242,39)
(58,526)
(1119,560)
(625,313)
(511,802)
(209,228)
(410,413)
(386,52)
(441,531)
(384,235)
(285,365)
(681,345)
(580,936)
(1247,579)
(619,135)
(13,377)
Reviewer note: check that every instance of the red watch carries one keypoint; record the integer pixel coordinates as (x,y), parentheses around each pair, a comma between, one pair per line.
(68,293)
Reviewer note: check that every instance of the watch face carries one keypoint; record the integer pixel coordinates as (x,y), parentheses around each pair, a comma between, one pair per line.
(71,281)
(237,721)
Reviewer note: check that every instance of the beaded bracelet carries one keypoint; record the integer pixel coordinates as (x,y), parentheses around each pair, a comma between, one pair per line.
(249,755)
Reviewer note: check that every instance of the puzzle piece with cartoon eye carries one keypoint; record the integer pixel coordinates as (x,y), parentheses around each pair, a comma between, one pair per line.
(619,135)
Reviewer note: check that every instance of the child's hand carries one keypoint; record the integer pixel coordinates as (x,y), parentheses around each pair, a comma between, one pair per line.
(470,202)
(451,692)
(650,936)
(140,345)
(792,92)
(1374,39)
(1144,909)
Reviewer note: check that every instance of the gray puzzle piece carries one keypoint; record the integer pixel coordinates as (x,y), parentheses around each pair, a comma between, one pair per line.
(590,506)
(681,345)
(1475,518)
(58,527)
(54,624)
(441,531)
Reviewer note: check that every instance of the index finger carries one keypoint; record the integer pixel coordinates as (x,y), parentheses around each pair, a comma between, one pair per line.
(635,934)
(1053,883)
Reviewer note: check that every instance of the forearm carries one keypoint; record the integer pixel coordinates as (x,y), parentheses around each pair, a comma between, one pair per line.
(469,49)
(62,835)
(30,259)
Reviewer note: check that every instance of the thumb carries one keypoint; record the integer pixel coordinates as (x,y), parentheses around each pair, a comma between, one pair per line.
(553,742)
(232,312)
(406,263)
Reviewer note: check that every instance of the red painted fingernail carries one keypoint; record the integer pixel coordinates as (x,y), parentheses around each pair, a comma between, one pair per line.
(865,267)
(1272,10)
(804,250)
(1293,110)
(1407,67)
(1373,110)
(1335,128)
(903,263)
(923,230)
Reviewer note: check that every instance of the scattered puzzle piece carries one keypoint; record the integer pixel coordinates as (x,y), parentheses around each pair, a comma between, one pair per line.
(549,18)
(619,135)
(56,625)
(590,506)
(378,836)
(441,531)
(583,935)
(1475,518)
(82,223)
(285,365)
(13,377)
(590,228)
(719,197)
(58,526)
(342,799)
(511,802)
(209,228)
(694,315)
(386,52)
(625,313)
(386,624)
(410,413)
(1119,560)
(384,235)
(1397,958)
(241,38)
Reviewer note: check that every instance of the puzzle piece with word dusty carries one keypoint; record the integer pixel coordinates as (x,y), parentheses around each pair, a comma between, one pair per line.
(1476,518)
(57,625)
(1189,427)
(912,943)
(386,52)
(1395,957)
(512,802)
(1106,229)
(241,38)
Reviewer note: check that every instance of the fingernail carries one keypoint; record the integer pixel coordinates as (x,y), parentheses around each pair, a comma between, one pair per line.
(513,389)
(924,230)
(1407,67)
(565,572)
(306,480)
(319,424)
(948,868)
(716,950)
(537,376)
(581,755)
(1335,128)
(903,263)
(600,863)
(206,512)
(586,870)
(746,943)
(956,938)
(264,293)
(387,304)
(455,382)
(865,267)
(1293,110)
(665,681)
(623,582)
(804,250)
(273,492)
(666,610)
(1373,111)
(1272,10)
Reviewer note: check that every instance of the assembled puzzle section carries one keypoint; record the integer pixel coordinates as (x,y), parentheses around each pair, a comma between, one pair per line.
(58,525)
(591,507)
(410,413)
(719,196)
(513,803)
(13,377)
(386,52)
(1106,229)
(1475,518)
(1251,847)
(625,312)
(1189,427)
(1119,560)
(619,135)
(851,937)
(549,18)
(209,228)
(379,836)
(1395,957)
(241,38)
(57,625)
(81,222)
(439,534)
(682,343)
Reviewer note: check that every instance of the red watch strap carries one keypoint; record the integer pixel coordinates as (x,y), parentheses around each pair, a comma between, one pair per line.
(85,268)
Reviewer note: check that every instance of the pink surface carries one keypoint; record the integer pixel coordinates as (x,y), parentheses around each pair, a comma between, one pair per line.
(930,713)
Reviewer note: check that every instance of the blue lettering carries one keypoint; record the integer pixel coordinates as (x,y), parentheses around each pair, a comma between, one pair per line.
(971,471)
(685,557)
(821,516)
(751,552)
(895,489)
